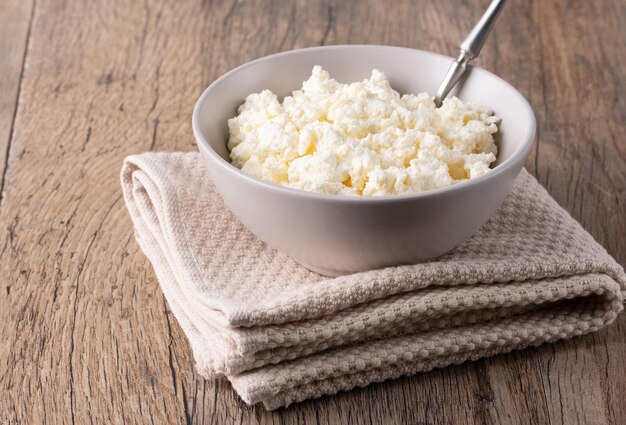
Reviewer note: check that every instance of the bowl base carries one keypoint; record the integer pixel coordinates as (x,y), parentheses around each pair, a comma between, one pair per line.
(322,271)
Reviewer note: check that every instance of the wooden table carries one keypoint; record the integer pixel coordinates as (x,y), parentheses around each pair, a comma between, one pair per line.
(86,335)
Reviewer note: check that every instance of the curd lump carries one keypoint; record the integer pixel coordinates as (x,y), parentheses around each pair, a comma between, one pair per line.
(361,138)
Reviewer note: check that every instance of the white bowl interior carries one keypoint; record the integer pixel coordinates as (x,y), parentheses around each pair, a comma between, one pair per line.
(409,70)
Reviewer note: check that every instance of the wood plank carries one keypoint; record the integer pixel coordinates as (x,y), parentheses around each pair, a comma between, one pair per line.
(15,20)
(88,334)
(90,339)
(581,162)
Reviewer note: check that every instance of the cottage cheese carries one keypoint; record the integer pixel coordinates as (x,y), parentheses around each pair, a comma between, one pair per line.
(361,138)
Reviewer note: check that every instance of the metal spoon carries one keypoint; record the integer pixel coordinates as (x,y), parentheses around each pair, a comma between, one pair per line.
(470,48)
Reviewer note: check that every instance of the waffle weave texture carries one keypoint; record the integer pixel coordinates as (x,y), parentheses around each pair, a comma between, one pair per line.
(282,334)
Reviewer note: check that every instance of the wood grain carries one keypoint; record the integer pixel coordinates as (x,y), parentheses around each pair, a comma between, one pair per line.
(15,19)
(87,336)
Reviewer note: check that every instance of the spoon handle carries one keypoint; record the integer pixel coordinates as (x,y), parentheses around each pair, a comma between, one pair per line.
(470,48)
(478,35)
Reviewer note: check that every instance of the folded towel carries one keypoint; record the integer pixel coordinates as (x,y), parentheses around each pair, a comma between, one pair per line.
(282,334)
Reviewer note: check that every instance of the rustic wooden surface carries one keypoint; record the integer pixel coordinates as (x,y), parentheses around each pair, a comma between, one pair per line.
(86,335)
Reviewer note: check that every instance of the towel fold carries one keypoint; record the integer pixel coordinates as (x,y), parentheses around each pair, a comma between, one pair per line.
(282,334)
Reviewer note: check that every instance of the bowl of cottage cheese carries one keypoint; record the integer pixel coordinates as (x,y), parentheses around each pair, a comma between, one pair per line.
(337,156)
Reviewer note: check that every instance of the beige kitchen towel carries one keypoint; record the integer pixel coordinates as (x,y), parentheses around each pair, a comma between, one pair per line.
(282,334)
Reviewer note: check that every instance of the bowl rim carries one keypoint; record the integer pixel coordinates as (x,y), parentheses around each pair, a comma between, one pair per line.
(202,143)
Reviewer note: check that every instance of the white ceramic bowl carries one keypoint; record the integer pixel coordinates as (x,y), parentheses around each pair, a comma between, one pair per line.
(333,234)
